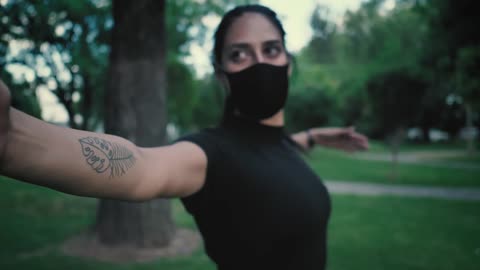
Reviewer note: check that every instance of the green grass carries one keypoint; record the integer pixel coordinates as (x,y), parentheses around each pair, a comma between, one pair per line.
(335,165)
(468,159)
(364,233)
(399,233)
(35,221)
(381,147)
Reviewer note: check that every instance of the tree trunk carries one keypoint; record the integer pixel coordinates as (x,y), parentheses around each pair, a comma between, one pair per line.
(395,140)
(136,110)
(470,127)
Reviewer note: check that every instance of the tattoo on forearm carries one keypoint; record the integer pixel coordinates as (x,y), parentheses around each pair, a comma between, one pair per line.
(104,156)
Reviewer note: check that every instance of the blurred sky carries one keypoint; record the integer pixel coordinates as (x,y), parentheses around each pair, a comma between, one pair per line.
(295,16)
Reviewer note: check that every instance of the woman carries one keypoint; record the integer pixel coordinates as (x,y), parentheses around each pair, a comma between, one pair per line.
(256,202)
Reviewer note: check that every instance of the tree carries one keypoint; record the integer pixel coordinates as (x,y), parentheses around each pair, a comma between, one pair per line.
(467,84)
(208,108)
(395,101)
(23,96)
(309,107)
(136,110)
(453,51)
(62,44)
(371,40)
(321,46)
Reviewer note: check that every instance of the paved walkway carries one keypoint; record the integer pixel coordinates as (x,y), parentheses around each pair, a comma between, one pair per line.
(433,158)
(373,189)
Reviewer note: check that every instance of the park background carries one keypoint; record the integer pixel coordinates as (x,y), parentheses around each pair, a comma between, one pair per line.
(404,72)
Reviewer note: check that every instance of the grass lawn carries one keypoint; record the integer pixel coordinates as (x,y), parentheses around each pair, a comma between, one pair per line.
(407,146)
(35,221)
(335,165)
(364,233)
(399,233)
(473,159)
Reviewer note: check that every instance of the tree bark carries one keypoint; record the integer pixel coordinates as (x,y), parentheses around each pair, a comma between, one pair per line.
(469,127)
(395,140)
(135,109)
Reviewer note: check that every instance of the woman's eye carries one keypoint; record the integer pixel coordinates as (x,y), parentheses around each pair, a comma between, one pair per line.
(272,51)
(237,56)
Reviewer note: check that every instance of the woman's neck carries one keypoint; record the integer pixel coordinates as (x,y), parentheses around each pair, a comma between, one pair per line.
(277,120)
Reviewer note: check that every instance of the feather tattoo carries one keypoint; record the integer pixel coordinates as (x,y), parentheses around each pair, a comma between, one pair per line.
(103,156)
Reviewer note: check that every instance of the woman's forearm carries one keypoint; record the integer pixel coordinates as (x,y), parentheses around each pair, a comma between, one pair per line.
(71,161)
(301,138)
(345,139)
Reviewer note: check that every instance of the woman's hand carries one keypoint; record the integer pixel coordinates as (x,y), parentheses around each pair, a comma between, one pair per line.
(346,139)
(4,117)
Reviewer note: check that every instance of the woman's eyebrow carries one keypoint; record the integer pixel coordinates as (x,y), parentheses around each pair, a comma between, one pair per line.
(272,42)
(238,46)
(246,45)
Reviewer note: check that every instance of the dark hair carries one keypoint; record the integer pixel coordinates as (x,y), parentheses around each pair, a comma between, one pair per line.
(230,17)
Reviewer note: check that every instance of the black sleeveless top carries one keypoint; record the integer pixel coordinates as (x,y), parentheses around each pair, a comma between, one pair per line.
(261,206)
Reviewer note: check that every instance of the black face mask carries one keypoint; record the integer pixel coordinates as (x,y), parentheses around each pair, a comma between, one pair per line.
(259,91)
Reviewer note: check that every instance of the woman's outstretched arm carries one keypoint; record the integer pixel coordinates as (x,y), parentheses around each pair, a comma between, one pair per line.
(95,165)
(345,139)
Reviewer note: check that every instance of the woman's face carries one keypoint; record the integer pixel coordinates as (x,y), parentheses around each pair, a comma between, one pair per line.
(252,39)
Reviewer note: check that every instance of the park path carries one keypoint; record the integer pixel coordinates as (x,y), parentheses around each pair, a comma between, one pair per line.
(374,189)
(435,158)
(431,158)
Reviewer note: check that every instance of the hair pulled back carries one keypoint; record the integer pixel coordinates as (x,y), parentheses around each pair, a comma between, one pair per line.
(231,16)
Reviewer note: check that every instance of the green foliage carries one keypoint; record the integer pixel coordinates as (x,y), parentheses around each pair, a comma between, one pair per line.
(435,40)
(208,110)
(185,21)
(452,53)
(63,44)
(347,59)
(23,96)
(467,75)
(311,100)
(321,46)
(181,92)
(26,100)
(308,107)
(395,100)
